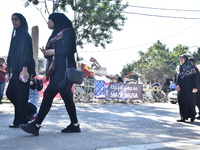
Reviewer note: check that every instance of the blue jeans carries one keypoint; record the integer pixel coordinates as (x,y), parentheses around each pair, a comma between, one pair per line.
(2,86)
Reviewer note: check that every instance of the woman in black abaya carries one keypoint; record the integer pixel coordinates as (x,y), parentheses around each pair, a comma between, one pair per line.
(186,87)
(20,63)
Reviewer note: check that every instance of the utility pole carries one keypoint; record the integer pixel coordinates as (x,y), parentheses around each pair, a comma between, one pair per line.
(35,41)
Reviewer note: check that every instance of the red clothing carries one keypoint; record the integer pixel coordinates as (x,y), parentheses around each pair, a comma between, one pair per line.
(2,74)
(87,73)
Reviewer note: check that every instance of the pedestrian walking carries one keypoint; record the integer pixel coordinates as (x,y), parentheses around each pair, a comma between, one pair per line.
(60,48)
(20,65)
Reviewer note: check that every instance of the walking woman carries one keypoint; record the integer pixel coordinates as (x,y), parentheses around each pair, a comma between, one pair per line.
(20,63)
(60,47)
(186,87)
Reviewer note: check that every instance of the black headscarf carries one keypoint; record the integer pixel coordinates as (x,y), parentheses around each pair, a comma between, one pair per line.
(185,69)
(61,22)
(23,24)
(185,57)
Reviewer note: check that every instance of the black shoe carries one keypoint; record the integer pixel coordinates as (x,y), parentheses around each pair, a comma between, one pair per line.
(71,128)
(198,117)
(30,128)
(14,126)
(181,120)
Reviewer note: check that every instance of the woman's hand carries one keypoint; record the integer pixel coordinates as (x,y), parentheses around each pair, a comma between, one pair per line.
(24,73)
(178,88)
(48,52)
(194,90)
(43,51)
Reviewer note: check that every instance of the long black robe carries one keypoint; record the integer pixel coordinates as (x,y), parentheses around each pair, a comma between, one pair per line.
(186,98)
(197,96)
(20,55)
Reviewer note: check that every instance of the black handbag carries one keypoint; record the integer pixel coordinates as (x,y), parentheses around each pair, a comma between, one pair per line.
(72,75)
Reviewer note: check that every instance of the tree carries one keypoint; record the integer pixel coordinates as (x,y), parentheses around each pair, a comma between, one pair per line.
(128,71)
(158,63)
(152,64)
(94,20)
(196,56)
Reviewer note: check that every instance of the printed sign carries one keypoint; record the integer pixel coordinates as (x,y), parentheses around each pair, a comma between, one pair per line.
(124,91)
(117,90)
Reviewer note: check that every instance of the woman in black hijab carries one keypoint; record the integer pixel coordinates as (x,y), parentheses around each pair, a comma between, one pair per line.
(60,47)
(21,64)
(186,87)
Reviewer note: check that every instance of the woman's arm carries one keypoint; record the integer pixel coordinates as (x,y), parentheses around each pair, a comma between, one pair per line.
(27,57)
(194,82)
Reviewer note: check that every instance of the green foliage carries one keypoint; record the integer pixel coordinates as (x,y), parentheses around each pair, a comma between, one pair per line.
(157,63)
(196,55)
(94,20)
(128,68)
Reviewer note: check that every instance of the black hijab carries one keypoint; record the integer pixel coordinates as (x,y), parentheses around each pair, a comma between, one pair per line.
(186,69)
(61,22)
(23,24)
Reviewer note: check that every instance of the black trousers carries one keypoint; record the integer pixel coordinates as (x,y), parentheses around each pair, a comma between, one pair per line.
(18,93)
(49,94)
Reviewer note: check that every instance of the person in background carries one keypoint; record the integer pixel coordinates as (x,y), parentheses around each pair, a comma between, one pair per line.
(60,48)
(20,66)
(197,96)
(36,85)
(187,87)
(172,86)
(3,71)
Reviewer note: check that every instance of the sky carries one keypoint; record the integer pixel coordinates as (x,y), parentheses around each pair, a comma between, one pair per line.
(139,33)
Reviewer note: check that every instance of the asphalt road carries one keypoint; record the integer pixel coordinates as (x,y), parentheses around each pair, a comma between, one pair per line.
(140,126)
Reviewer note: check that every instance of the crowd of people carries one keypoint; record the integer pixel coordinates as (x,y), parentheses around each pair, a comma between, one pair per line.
(61,47)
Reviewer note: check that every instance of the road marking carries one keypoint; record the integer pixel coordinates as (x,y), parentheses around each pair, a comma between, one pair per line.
(155,145)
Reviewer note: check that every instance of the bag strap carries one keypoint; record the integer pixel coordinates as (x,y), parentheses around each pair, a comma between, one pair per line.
(77,59)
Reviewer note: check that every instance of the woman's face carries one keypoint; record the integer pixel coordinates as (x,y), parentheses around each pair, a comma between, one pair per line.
(182,60)
(50,24)
(15,21)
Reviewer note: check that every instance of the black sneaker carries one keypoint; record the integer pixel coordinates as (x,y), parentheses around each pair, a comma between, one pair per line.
(30,128)
(71,128)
